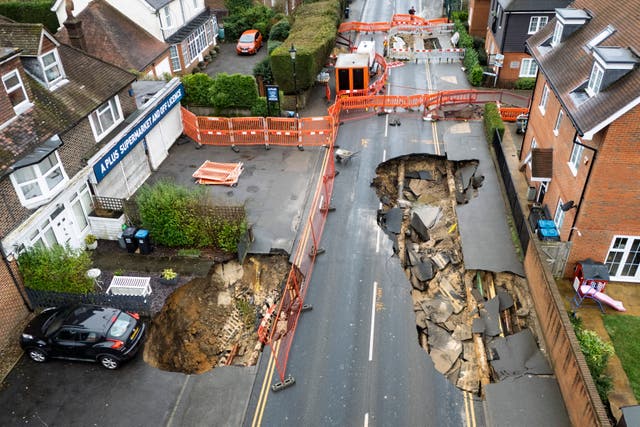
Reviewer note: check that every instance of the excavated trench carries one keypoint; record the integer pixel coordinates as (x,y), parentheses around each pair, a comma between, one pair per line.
(212,321)
(466,320)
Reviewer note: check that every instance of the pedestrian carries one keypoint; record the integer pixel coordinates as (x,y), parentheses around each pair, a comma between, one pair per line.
(412,11)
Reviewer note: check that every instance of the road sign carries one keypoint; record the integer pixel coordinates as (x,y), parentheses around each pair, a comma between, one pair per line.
(273,94)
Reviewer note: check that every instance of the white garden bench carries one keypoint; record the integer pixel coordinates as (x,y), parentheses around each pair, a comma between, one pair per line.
(127,285)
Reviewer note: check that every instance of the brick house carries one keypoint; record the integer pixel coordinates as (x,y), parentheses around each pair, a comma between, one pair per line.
(478,17)
(187,27)
(511,23)
(72,127)
(580,150)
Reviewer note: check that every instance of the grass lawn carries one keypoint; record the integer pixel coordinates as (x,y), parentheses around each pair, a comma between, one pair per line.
(624,331)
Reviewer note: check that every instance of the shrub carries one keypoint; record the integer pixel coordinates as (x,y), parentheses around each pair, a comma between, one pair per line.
(57,269)
(263,69)
(243,18)
(471,58)
(596,353)
(526,83)
(280,31)
(492,121)
(228,234)
(197,89)
(233,91)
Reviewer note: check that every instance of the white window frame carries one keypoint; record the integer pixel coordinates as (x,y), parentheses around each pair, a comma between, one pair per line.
(23,105)
(574,159)
(109,107)
(536,23)
(528,68)
(595,79)
(533,145)
(543,99)
(557,34)
(40,179)
(558,218)
(623,248)
(56,63)
(166,18)
(43,235)
(556,128)
(174,57)
(81,207)
(197,42)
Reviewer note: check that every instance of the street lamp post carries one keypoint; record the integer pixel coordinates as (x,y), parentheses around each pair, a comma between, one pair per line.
(293,52)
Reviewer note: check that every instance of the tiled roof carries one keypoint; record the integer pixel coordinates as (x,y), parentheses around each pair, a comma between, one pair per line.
(568,65)
(91,83)
(23,36)
(532,5)
(114,38)
(158,4)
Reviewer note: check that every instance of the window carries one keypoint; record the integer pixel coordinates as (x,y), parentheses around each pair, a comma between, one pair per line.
(595,80)
(15,89)
(557,34)
(175,58)
(165,18)
(105,118)
(52,67)
(81,206)
(576,155)
(544,98)
(558,218)
(197,42)
(43,236)
(37,183)
(623,258)
(536,23)
(556,128)
(528,68)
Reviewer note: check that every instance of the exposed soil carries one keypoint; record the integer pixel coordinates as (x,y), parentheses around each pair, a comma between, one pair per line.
(213,320)
(447,297)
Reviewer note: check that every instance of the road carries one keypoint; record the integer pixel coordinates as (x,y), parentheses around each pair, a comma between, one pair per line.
(355,356)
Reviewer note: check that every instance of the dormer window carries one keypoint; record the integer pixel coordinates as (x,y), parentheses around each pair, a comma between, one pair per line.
(165,18)
(595,80)
(536,23)
(38,183)
(557,34)
(52,67)
(15,89)
(106,118)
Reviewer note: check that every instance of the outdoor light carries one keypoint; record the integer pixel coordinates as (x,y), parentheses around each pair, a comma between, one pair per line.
(292,52)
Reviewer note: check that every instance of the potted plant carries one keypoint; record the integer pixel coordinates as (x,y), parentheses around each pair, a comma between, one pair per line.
(91,241)
(169,277)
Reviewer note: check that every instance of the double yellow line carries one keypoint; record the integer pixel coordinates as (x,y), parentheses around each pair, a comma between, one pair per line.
(271,366)
(469,409)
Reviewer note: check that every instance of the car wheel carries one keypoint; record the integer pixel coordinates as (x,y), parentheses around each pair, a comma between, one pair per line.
(37,355)
(109,362)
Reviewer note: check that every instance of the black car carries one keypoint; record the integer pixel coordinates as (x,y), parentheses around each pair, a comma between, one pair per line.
(84,332)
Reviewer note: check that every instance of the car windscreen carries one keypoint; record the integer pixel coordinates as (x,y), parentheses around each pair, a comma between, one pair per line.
(247,38)
(56,320)
(123,324)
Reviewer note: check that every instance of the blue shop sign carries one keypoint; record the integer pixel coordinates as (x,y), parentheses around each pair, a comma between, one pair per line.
(272,94)
(131,139)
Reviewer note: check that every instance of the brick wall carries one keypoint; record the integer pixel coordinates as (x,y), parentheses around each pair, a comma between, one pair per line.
(478,17)
(14,311)
(12,212)
(576,385)
(508,76)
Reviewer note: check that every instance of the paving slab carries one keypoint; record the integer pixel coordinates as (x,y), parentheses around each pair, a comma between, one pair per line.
(482,222)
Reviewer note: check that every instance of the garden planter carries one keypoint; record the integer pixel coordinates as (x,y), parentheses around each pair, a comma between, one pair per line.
(169,282)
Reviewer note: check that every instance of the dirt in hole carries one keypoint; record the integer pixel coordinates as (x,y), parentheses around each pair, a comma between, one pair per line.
(419,194)
(213,318)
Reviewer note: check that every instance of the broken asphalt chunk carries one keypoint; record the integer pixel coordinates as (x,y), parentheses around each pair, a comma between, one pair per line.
(429,215)
(419,227)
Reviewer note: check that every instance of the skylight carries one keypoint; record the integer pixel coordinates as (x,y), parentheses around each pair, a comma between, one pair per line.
(601,37)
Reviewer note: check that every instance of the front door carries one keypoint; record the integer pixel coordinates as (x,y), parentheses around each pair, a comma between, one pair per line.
(62,226)
(623,258)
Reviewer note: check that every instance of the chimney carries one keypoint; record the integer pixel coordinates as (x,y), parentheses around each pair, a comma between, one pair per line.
(74,28)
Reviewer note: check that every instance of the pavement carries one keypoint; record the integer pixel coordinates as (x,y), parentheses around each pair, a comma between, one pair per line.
(629,293)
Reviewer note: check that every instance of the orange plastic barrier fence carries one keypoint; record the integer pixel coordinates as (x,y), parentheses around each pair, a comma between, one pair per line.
(510,114)
(364,27)
(190,124)
(408,22)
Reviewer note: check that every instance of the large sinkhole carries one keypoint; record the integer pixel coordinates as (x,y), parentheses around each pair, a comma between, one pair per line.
(212,319)
(475,325)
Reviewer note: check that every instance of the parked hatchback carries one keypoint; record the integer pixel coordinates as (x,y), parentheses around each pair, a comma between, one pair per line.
(84,332)
(250,42)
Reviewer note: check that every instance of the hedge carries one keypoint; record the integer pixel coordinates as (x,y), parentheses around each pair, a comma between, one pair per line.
(492,121)
(526,83)
(37,11)
(56,269)
(471,62)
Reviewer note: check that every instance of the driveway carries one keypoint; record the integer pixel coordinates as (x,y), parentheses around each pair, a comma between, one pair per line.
(229,62)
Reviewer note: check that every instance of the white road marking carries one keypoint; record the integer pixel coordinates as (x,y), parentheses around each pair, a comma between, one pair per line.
(366,420)
(373,319)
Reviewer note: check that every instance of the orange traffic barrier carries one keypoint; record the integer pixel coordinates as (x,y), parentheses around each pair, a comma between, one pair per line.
(510,114)
(218,173)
